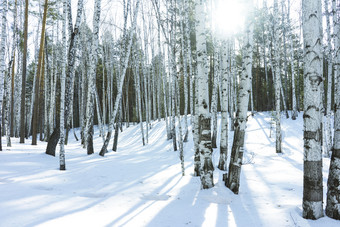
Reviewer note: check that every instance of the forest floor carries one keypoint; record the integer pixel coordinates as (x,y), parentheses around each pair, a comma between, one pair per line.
(143,186)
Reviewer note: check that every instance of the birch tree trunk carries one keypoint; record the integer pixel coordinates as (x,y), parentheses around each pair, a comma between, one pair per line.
(139,102)
(312,118)
(185,73)
(37,78)
(6,105)
(92,78)
(215,95)
(327,123)
(233,180)
(204,117)
(336,52)
(13,85)
(173,74)
(294,103)
(333,190)
(222,165)
(277,78)
(62,88)
(72,51)
(2,59)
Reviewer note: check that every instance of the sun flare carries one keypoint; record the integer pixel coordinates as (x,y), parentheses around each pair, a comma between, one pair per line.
(229,16)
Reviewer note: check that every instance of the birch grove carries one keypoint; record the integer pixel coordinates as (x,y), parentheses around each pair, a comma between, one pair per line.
(65,74)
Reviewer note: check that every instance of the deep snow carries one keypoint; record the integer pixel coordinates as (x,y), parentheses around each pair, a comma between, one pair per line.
(143,186)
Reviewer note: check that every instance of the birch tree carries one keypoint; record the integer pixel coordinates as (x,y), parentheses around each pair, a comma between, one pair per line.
(333,190)
(2,58)
(62,88)
(312,118)
(222,165)
(327,125)
(205,149)
(277,78)
(53,140)
(92,78)
(233,180)
(38,77)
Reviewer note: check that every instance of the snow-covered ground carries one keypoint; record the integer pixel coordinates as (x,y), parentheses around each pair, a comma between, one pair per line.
(143,186)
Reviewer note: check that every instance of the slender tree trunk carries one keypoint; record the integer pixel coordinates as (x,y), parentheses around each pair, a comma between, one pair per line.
(37,78)
(2,59)
(333,191)
(185,73)
(173,75)
(139,101)
(234,174)
(313,81)
(215,95)
(222,165)
(327,123)
(277,79)
(62,97)
(92,79)
(204,117)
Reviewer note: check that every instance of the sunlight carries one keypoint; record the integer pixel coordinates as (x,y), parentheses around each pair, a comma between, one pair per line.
(229,16)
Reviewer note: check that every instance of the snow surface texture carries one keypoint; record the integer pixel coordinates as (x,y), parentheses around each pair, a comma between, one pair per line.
(143,186)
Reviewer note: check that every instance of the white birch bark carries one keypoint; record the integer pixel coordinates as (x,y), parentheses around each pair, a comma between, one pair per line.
(185,73)
(137,86)
(2,57)
(215,95)
(204,146)
(180,139)
(189,59)
(336,37)
(294,103)
(233,180)
(7,106)
(333,191)
(222,165)
(92,78)
(277,79)
(313,81)
(62,88)
(173,74)
(327,122)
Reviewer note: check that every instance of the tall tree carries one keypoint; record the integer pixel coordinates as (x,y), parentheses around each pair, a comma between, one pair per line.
(92,78)
(204,117)
(35,122)
(277,78)
(328,54)
(2,58)
(233,180)
(312,117)
(62,92)
(222,165)
(333,191)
